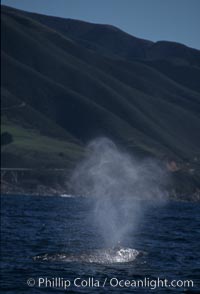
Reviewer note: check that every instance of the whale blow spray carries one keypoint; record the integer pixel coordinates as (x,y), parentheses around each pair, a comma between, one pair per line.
(120,185)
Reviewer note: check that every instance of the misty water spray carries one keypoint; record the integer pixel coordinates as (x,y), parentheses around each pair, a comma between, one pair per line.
(121,187)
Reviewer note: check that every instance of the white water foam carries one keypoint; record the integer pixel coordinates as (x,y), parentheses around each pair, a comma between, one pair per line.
(67,196)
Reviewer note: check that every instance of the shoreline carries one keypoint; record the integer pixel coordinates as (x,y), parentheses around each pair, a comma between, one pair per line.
(45,191)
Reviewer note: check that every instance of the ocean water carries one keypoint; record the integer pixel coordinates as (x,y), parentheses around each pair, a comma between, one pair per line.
(52,245)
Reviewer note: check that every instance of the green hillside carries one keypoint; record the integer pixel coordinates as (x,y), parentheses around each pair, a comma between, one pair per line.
(66,82)
(34,150)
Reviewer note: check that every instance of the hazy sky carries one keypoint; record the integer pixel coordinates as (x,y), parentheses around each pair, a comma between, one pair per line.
(173,20)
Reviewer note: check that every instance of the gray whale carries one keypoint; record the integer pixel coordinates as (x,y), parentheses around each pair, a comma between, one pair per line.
(104,256)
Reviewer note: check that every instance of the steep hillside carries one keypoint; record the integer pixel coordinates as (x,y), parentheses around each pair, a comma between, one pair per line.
(71,81)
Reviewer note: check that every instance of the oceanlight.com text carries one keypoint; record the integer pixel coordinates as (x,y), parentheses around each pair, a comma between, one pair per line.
(92,282)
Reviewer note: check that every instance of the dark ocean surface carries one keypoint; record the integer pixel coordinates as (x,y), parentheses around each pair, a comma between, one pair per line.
(60,233)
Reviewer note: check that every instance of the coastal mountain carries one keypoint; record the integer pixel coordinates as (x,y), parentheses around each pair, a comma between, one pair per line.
(65,82)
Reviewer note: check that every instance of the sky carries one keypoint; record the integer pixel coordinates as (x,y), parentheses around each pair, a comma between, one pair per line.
(155,20)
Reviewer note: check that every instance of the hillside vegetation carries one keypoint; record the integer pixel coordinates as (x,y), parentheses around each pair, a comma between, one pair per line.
(65,82)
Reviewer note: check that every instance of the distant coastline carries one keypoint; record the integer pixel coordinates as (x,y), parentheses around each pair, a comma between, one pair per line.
(58,190)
